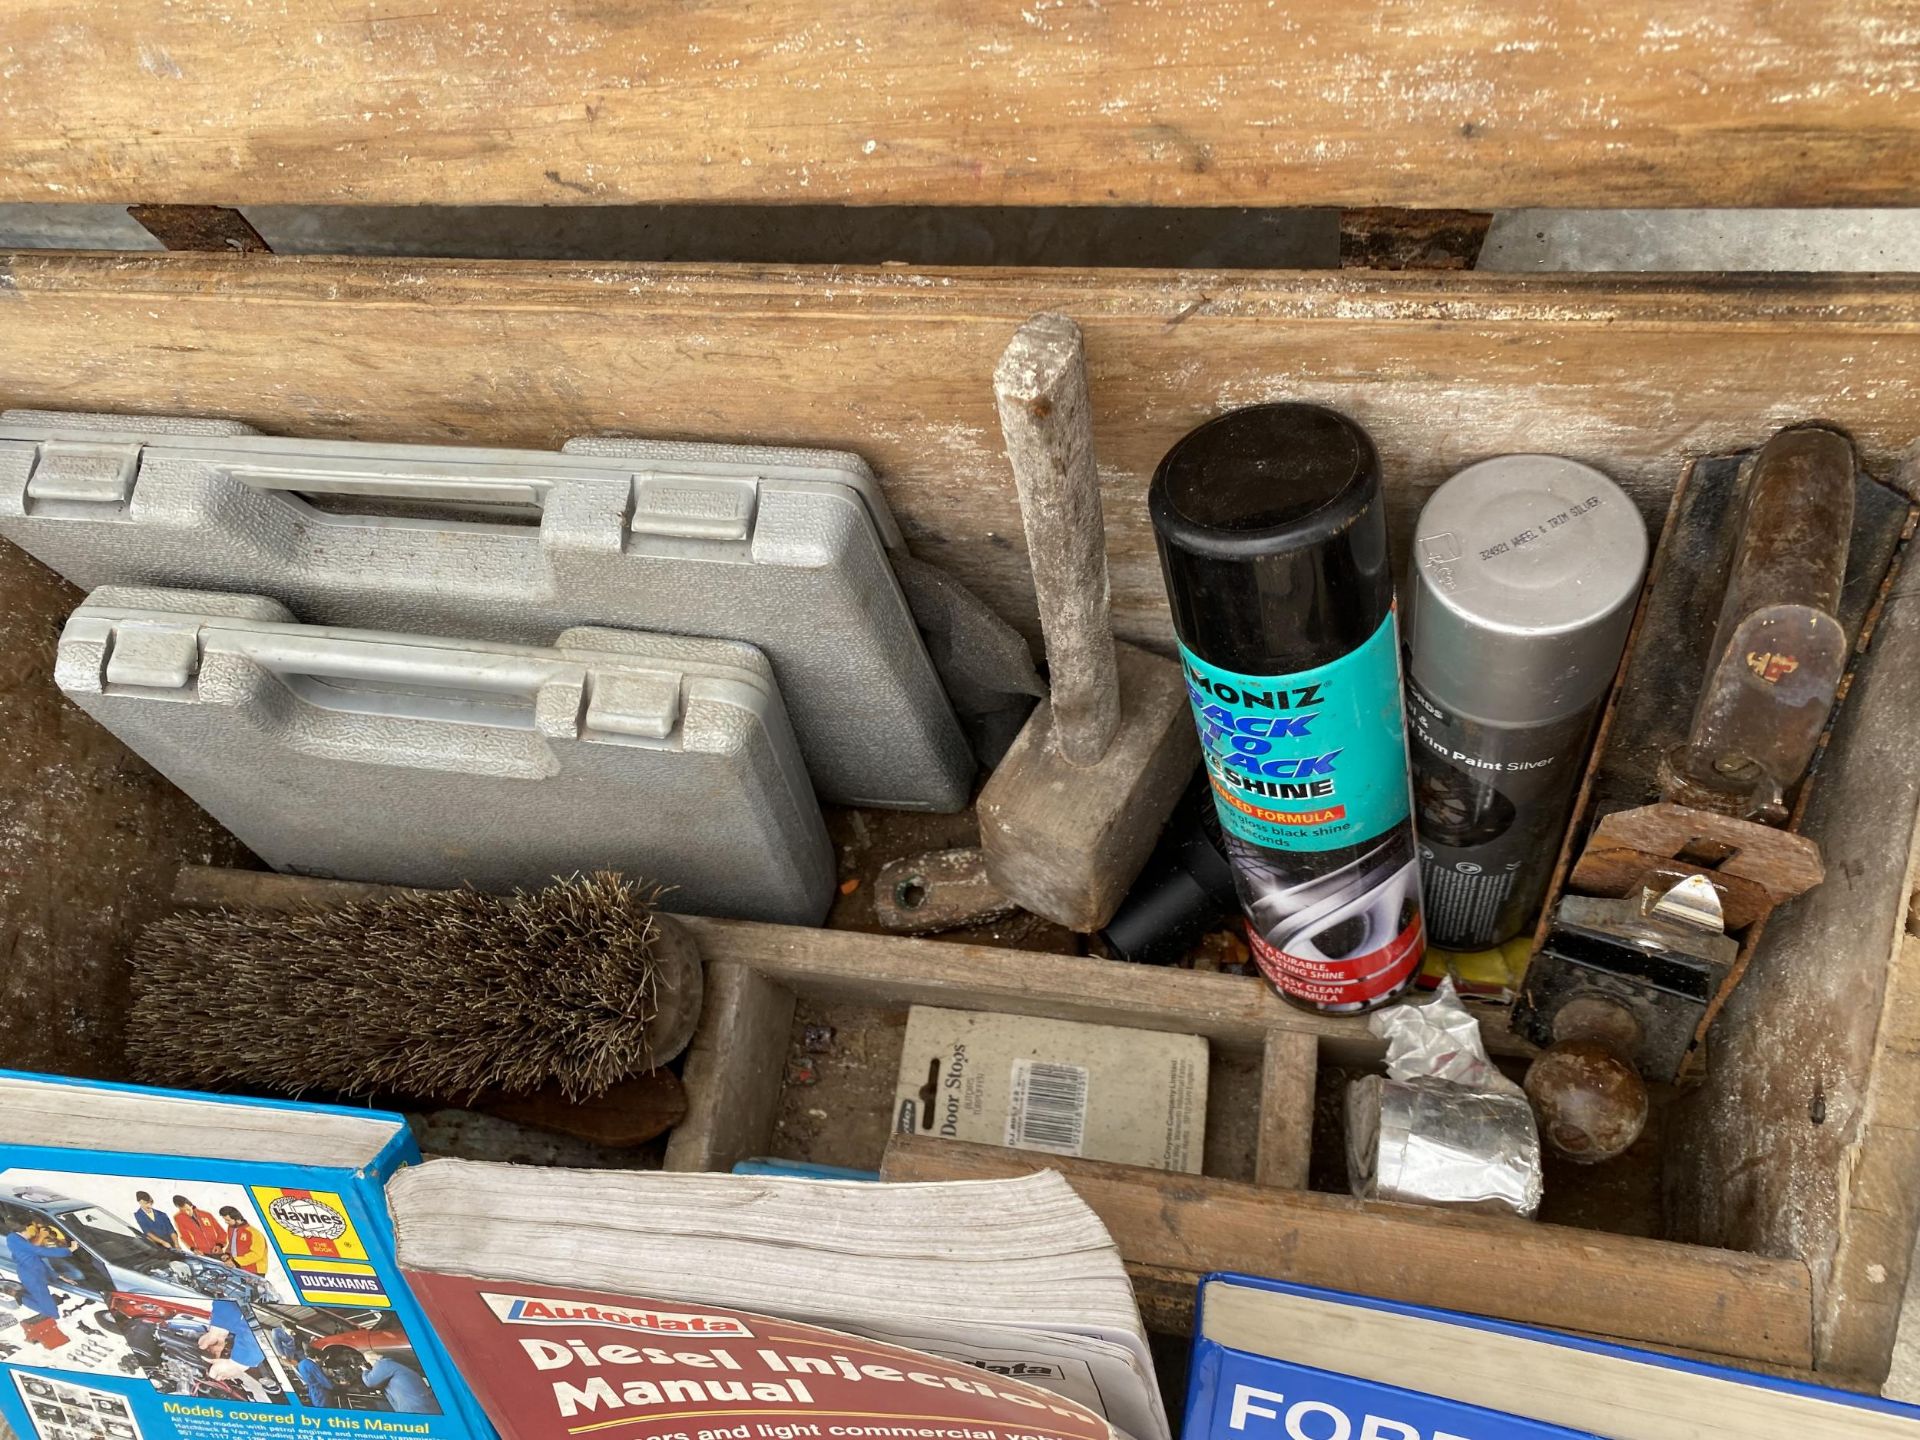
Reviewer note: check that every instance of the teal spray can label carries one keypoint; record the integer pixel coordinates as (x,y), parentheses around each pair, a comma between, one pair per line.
(1292,661)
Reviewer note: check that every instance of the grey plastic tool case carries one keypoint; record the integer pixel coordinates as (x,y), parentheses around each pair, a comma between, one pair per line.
(416,760)
(784,549)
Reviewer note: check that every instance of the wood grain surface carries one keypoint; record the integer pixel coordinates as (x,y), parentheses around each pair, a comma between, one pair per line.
(1483,104)
(1289,1069)
(1632,374)
(1804,1138)
(1739,1306)
(1235,1011)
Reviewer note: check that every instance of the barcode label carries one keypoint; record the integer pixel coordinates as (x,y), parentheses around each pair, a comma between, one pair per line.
(1048,1109)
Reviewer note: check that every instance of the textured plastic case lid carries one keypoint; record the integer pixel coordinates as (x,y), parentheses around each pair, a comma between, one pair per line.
(783,549)
(420,760)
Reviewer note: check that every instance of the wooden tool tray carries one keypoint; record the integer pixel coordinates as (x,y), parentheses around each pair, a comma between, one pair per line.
(1793,1176)
(1804,1154)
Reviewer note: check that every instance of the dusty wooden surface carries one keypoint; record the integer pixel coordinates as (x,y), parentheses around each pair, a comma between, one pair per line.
(1232,1010)
(1390,239)
(756,1084)
(1809,1091)
(938,890)
(835,1104)
(733,1070)
(90,837)
(1872,1265)
(218,228)
(1486,103)
(1631,374)
(1289,1066)
(1733,1305)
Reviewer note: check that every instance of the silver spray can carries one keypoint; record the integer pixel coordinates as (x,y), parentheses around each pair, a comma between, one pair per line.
(1525,575)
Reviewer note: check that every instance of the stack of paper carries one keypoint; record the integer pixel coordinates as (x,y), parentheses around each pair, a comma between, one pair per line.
(1017,1276)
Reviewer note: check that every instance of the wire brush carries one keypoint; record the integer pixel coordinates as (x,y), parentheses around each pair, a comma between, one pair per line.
(427,993)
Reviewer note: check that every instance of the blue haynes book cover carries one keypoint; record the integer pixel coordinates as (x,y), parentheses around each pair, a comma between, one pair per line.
(1274,1361)
(156,1294)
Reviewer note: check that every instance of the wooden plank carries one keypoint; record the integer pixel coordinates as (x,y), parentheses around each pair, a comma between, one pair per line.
(1287,1072)
(1889,1162)
(1900,1027)
(1872,1266)
(733,1071)
(1632,374)
(1481,104)
(1230,1010)
(1778,1152)
(1740,1306)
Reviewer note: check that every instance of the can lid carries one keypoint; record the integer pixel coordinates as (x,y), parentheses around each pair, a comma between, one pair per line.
(1525,573)
(1273,537)
(1264,478)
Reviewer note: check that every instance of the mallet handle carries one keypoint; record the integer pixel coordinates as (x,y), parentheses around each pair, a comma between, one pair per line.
(1041,387)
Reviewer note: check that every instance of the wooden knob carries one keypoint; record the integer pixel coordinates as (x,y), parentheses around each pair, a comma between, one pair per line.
(1591,1104)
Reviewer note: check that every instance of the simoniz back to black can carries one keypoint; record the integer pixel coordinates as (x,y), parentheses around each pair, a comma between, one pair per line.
(1273,542)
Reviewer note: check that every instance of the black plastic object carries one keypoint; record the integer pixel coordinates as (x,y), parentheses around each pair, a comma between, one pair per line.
(1185,890)
(1273,543)
(1637,972)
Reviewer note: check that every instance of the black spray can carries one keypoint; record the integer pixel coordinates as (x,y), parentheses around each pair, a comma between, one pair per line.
(1525,572)
(1273,542)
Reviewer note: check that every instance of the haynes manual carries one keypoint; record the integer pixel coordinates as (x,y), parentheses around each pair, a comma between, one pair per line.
(194,1267)
(547,1360)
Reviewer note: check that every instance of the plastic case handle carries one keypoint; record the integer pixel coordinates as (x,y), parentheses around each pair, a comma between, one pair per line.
(557,696)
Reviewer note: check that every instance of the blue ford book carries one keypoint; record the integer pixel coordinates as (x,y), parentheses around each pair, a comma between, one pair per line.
(1273,1361)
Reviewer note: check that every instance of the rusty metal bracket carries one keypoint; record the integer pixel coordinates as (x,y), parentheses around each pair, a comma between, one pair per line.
(200,227)
(1386,239)
(941,890)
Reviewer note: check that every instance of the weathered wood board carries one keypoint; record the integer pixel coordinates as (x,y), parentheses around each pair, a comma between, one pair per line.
(1616,1285)
(1805,1137)
(1237,1012)
(1632,374)
(1263,1052)
(1480,104)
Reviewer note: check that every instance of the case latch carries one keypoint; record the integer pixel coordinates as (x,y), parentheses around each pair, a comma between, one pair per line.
(153,657)
(644,707)
(82,473)
(693,507)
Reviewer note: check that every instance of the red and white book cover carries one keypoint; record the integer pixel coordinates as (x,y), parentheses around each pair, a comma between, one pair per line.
(547,1361)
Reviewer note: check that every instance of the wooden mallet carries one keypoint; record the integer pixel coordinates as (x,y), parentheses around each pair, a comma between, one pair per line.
(1073,811)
